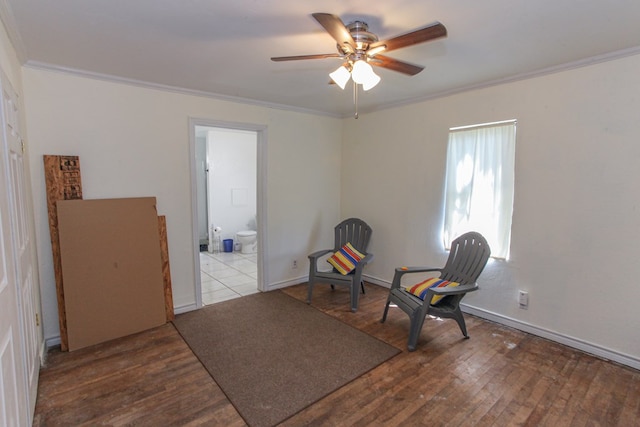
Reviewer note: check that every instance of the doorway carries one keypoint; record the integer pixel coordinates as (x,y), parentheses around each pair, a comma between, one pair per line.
(228,193)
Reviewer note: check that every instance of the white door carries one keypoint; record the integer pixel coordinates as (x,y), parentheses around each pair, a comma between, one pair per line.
(13,403)
(21,243)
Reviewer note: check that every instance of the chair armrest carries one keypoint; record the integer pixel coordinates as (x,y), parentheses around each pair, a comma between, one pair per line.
(357,271)
(455,290)
(405,270)
(401,271)
(364,261)
(318,254)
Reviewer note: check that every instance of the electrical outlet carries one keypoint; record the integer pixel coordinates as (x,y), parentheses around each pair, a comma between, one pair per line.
(294,264)
(523,299)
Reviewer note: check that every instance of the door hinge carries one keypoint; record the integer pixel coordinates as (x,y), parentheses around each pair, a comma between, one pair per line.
(37,319)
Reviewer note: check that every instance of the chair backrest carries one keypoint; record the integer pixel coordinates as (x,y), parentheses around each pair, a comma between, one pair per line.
(468,257)
(354,231)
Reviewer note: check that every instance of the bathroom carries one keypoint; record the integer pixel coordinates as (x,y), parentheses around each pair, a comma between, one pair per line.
(226,162)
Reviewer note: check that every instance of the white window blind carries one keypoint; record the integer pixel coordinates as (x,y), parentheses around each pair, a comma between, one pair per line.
(480,184)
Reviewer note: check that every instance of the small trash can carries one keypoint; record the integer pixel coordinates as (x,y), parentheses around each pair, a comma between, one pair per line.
(228,245)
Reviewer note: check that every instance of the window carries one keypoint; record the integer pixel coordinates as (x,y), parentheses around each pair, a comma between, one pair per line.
(480,183)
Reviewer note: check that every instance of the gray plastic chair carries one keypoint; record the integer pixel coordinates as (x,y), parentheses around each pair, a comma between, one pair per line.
(468,257)
(356,232)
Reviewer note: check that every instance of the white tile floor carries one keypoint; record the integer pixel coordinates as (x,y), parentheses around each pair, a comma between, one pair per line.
(227,275)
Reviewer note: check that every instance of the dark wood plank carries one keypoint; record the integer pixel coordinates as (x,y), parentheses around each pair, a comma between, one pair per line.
(500,376)
(151,378)
(630,411)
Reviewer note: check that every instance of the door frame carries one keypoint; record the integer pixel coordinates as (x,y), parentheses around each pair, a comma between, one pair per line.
(261,195)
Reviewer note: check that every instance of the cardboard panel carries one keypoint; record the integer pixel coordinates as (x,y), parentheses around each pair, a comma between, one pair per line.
(112,268)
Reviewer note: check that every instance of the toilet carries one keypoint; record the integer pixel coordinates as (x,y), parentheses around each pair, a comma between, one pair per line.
(249,241)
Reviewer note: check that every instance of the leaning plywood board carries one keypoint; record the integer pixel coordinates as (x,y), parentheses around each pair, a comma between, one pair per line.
(63,182)
(166,270)
(112,268)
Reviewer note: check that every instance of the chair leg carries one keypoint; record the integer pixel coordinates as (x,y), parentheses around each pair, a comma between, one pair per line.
(386,310)
(457,316)
(354,297)
(312,279)
(417,320)
(309,292)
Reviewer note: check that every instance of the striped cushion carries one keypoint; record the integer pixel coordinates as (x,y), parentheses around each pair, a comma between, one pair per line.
(420,290)
(345,259)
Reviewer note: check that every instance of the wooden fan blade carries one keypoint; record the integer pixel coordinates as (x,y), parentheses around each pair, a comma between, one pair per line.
(295,58)
(395,65)
(335,28)
(431,32)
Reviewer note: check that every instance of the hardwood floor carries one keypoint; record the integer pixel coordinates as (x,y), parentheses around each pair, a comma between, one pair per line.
(499,377)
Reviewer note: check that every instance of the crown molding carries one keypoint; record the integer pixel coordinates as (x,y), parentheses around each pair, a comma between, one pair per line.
(606,57)
(175,89)
(611,56)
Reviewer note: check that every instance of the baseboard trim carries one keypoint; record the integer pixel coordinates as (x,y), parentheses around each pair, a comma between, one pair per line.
(43,353)
(52,341)
(587,347)
(376,281)
(287,283)
(55,340)
(185,308)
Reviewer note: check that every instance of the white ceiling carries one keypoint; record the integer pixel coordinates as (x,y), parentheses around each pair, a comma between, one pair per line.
(224,46)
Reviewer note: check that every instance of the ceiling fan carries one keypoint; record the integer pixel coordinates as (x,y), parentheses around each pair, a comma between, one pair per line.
(360,49)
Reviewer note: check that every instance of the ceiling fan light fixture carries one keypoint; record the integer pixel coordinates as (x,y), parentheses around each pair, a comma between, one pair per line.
(340,76)
(363,74)
(371,82)
(361,71)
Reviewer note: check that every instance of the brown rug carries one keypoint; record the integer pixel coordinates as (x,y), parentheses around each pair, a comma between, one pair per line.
(273,355)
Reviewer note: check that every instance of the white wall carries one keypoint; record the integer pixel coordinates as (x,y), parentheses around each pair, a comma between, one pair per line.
(232,180)
(134,141)
(576,223)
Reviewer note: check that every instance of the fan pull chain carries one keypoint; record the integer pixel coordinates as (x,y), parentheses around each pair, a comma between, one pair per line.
(355,98)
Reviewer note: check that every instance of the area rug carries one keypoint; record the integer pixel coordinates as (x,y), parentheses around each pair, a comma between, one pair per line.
(273,355)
